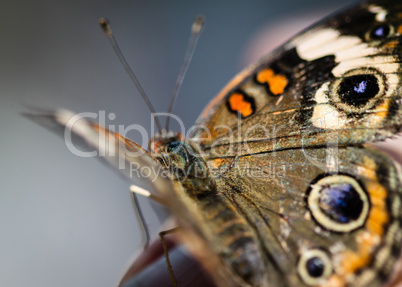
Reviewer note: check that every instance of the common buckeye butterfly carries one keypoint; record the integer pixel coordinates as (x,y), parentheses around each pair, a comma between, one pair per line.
(278,184)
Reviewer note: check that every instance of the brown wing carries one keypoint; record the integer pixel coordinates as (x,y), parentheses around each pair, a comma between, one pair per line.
(86,138)
(337,82)
(299,209)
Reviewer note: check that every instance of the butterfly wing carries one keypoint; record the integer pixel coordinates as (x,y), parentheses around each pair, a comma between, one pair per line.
(88,139)
(338,81)
(127,158)
(336,84)
(297,218)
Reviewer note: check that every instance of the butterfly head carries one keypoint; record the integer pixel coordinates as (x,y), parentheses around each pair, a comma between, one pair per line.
(161,141)
(183,163)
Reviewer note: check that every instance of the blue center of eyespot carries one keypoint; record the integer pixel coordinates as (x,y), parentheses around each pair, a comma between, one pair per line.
(315,267)
(358,90)
(380,32)
(360,87)
(341,202)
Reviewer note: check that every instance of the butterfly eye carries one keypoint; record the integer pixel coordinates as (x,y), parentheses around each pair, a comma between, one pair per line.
(338,203)
(314,266)
(173,146)
(380,32)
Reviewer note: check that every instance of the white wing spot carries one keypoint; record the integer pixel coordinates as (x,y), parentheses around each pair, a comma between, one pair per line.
(326,116)
(381,12)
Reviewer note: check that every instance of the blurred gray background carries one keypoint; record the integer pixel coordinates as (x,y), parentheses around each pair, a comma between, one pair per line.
(68,221)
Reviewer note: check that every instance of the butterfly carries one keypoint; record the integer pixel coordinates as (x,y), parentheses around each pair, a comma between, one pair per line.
(278,184)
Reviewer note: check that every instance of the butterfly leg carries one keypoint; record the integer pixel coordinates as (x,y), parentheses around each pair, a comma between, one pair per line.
(141,220)
(139,190)
(136,190)
(162,235)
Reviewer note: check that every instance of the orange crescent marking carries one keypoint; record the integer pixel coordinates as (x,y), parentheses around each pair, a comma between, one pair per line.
(334,281)
(393,44)
(277,83)
(237,103)
(233,83)
(377,219)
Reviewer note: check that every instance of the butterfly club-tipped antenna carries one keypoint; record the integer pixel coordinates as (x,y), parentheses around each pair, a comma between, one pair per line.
(196,30)
(104,23)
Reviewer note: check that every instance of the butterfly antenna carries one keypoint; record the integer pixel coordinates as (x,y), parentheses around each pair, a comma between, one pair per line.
(104,23)
(196,30)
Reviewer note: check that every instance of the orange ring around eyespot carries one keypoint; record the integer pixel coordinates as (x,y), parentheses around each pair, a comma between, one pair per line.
(351,261)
